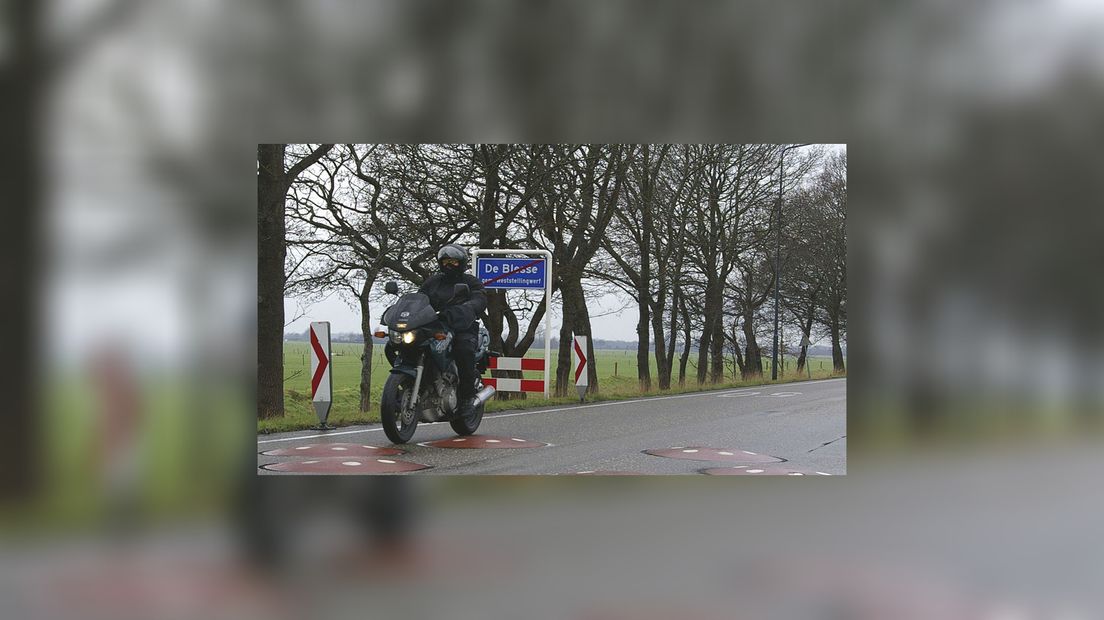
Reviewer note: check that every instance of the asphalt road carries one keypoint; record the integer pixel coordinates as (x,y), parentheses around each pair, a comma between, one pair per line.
(803,423)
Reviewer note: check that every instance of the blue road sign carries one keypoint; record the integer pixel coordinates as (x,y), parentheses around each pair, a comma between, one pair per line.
(523,272)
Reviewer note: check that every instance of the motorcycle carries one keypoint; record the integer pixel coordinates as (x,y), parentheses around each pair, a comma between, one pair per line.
(423,382)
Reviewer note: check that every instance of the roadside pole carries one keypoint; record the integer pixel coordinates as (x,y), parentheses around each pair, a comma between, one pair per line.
(581,361)
(321,375)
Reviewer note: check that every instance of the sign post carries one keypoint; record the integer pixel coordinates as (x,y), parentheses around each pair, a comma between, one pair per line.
(321,377)
(532,271)
(581,380)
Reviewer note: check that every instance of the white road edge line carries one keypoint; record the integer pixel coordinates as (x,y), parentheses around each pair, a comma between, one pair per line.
(713,393)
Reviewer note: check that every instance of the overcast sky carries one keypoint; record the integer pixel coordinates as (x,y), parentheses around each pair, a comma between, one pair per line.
(613,317)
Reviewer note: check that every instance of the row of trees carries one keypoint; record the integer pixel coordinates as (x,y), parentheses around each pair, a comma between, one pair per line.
(685,231)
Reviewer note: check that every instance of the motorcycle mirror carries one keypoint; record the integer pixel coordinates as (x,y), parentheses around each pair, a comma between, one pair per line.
(391,288)
(461,291)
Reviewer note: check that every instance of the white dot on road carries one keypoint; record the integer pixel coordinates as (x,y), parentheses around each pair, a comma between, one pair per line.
(370,447)
(493,441)
(689,451)
(589,471)
(795,473)
(351,463)
(516,439)
(309,462)
(823,474)
(746,452)
(389,462)
(676,447)
(338,448)
(725,453)
(461,439)
(755,471)
(303,448)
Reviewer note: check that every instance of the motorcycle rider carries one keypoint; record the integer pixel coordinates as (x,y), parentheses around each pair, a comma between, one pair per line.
(461,316)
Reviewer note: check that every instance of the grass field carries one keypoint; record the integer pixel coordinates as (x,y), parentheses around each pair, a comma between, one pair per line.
(616,379)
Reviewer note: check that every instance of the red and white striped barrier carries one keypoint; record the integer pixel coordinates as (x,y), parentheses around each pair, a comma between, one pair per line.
(503,384)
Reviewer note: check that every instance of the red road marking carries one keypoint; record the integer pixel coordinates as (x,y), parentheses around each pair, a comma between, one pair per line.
(483,441)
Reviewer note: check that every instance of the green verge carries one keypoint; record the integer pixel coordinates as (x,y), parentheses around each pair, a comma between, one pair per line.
(616,381)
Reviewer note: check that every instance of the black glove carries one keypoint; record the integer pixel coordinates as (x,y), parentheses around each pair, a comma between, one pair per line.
(448,315)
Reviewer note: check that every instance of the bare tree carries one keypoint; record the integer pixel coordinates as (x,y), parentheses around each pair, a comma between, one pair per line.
(832,201)
(273,181)
(570,214)
(733,181)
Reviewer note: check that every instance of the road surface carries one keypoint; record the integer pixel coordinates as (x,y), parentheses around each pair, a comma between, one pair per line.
(804,424)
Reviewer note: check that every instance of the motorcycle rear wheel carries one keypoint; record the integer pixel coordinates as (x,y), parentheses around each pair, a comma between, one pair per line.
(467,425)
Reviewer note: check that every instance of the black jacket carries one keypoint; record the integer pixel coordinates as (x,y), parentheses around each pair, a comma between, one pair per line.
(460,317)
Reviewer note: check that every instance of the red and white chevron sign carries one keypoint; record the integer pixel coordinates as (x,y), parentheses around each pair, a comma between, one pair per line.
(321,377)
(581,380)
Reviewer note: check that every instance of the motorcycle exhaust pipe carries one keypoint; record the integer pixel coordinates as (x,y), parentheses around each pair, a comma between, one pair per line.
(484,395)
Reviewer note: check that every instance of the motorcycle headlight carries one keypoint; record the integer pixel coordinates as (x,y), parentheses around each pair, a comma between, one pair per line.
(408,337)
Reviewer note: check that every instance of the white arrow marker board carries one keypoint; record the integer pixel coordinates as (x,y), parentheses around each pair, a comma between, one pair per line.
(581,361)
(321,377)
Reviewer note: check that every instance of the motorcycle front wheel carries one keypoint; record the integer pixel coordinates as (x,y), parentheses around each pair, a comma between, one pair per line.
(398,417)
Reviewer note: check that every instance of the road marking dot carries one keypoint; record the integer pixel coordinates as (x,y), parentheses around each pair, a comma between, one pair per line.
(795,473)
(689,451)
(351,463)
(309,462)
(725,453)
(755,471)
(370,447)
(389,462)
(493,441)
(516,439)
(303,448)
(676,447)
(589,471)
(338,448)
(823,474)
(746,452)
(461,439)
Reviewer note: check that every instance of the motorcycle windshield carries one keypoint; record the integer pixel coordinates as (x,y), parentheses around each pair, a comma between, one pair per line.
(413,310)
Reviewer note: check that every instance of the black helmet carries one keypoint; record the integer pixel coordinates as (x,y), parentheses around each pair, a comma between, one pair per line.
(453,252)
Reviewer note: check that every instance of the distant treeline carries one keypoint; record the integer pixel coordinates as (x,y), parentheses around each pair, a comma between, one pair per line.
(604,345)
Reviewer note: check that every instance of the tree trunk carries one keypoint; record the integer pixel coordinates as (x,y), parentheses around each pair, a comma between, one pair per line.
(576,322)
(564,372)
(711,313)
(366,354)
(737,356)
(837,351)
(686,343)
(669,366)
(806,330)
(753,360)
(717,361)
(663,372)
(271,251)
(643,346)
